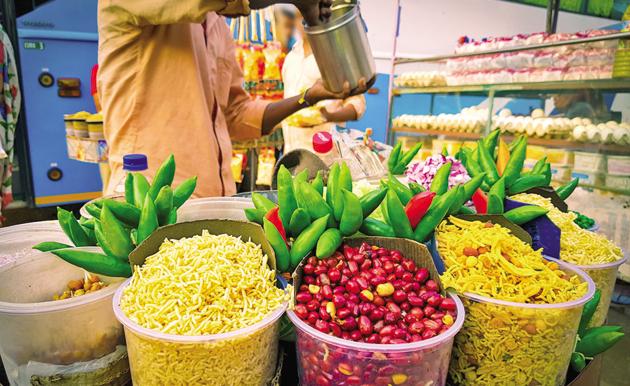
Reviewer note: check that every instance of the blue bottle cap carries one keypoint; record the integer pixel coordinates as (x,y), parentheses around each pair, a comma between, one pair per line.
(135,162)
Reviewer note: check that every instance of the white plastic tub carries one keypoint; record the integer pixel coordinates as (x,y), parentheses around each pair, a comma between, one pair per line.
(18,240)
(63,332)
(588,177)
(619,165)
(604,276)
(83,212)
(230,208)
(243,357)
(590,162)
(325,358)
(618,182)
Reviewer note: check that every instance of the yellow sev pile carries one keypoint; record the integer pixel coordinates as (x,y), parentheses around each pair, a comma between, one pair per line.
(202,285)
(197,286)
(577,245)
(504,268)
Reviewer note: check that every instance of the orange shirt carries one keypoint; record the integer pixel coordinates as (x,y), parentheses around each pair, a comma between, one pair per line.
(170,84)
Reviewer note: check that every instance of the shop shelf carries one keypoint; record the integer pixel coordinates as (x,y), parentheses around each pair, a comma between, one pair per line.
(555,143)
(523,89)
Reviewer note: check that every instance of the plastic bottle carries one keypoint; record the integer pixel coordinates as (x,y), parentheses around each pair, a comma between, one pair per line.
(324,147)
(131,163)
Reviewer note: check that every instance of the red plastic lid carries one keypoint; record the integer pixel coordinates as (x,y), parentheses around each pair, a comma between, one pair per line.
(322,142)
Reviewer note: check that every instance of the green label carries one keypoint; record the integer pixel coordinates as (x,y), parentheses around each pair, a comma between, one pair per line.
(30,45)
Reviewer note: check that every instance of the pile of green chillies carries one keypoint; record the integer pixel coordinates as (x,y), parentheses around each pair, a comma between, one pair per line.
(306,218)
(595,340)
(117,227)
(502,171)
(399,160)
(412,213)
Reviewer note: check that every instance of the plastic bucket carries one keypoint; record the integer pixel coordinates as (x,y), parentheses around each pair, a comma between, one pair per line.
(18,240)
(326,359)
(508,343)
(604,277)
(230,208)
(63,332)
(243,357)
(83,211)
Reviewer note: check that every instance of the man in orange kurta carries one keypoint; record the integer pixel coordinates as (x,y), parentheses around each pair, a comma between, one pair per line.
(169,83)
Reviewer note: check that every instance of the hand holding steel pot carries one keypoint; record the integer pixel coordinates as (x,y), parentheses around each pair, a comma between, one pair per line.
(319,92)
(314,11)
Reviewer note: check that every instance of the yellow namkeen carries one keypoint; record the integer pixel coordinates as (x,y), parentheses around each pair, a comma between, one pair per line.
(507,344)
(577,245)
(203,285)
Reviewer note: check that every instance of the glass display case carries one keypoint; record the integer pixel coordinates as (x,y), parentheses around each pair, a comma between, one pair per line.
(566,92)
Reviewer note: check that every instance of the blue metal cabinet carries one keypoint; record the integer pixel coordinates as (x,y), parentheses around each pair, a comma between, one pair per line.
(48,44)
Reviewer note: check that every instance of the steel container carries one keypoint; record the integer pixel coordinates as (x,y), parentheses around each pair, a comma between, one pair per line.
(342,50)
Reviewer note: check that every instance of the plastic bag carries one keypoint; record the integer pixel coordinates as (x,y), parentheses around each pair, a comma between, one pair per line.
(112,369)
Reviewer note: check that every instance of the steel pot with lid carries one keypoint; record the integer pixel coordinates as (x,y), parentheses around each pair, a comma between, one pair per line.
(342,50)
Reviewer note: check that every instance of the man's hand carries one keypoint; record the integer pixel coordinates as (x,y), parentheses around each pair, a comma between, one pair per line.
(319,93)
(314,11)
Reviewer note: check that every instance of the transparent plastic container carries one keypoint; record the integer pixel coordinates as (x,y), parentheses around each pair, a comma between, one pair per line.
(18,240)
(508,343)
(231,208)
(243,357)
(327,360)
(604,277)
(83,211)
(62,332)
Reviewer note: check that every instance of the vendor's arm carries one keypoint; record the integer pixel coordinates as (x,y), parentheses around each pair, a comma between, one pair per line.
(277,111)
(246,117)
(352,109)
(313,11)
(156,12)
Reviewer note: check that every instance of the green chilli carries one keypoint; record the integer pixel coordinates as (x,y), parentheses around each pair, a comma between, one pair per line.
(163,177)
(352,215)
(328,243)
(279,246)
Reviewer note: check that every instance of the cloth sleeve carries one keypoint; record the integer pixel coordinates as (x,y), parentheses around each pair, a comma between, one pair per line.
(155,12)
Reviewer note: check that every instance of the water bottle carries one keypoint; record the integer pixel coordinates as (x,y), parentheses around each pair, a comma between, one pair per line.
(131,163)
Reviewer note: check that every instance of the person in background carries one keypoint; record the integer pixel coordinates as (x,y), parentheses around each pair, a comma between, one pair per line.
(583,104)
(300,72)
(285,26)
(169,82)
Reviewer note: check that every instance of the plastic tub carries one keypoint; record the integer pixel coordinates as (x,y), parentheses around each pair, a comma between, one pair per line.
(69,124)
(323,357)
(619,165)
(618,182)
(83,212)
(560,172)
(37,329)
(559,156)
(604,277)
(590,162)
(508,343)
(587,177)
(231,208)
(18,240)
(242,357)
